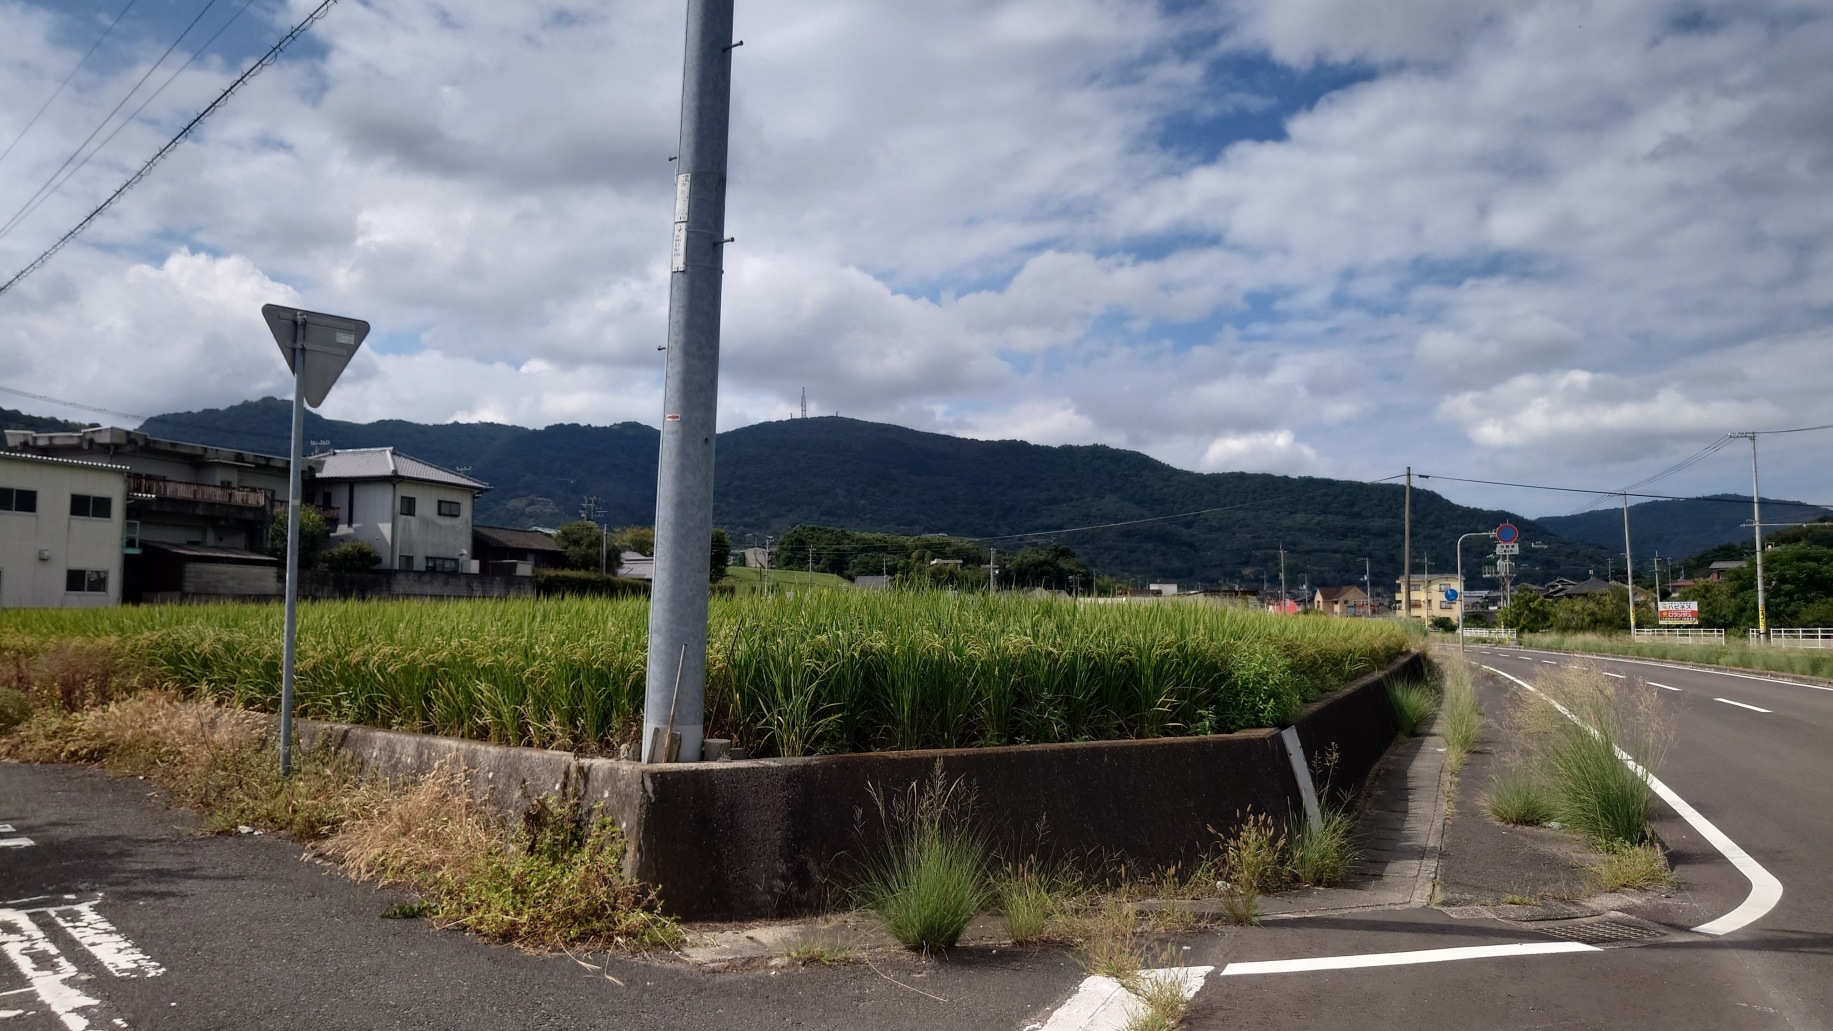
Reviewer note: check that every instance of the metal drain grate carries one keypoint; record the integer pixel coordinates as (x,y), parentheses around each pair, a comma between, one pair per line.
(1600,931)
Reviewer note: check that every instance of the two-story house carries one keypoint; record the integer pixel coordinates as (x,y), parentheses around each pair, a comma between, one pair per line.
(416,515)
(62,531)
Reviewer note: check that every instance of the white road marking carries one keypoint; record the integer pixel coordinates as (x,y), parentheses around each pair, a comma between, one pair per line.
(1617,676)
(1397,959)
(49,973)
(1765,889)
(1708,669)
(1740,705)
(1549,662)
(1104,1004)
(1664,687)
(15,842)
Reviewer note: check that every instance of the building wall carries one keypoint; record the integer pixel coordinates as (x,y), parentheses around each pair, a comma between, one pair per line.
(375,517)
(67,542)
(1429,596)
(207,580)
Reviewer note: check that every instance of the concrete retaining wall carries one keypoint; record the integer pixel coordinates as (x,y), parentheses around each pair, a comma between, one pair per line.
(770,837)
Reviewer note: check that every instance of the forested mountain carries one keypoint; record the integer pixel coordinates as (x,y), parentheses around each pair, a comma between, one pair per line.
(1228,527)
(1675,528)
(11,420)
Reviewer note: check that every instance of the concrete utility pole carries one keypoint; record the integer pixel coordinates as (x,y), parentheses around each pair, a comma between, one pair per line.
(1756,525)
(1368,591)
(1282,579)
(1406,552)
(675,691)
(1629,567)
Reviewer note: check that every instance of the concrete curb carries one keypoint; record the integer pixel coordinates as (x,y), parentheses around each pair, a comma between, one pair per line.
(768,837)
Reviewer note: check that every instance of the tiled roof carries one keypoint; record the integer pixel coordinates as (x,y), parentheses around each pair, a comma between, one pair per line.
(515,540)
(211,551)
(385,463)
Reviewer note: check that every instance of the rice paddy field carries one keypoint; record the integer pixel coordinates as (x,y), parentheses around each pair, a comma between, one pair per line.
(821,672)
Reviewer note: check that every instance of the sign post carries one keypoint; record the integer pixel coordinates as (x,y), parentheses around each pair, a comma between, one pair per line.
(316,348)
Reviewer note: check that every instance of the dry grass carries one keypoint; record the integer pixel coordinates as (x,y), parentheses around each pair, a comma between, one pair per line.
(555,882)
(1632,866)
(1463,717)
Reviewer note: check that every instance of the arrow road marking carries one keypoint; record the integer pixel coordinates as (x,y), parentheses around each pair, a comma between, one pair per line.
(1740,705)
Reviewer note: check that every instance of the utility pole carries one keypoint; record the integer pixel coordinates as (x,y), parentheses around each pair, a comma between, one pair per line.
(1368,590)
(993,570)
(675,689)
(1756,524)
(1282,578)
(1406,552)
(1629,567)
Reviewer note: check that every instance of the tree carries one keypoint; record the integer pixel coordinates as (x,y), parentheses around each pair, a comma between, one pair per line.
(312,537)
(1528,613)
(640,539)
(722,556)
(351,557)
(583,543)
(1047,566)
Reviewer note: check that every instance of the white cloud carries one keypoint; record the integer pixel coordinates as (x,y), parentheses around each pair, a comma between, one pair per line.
(1279,451)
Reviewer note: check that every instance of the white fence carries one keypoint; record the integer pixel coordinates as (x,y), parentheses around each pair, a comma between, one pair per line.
(1483,633)
(1808,637)
(1680,633)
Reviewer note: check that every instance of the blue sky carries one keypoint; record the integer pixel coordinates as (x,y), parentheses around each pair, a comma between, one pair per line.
(1552,241)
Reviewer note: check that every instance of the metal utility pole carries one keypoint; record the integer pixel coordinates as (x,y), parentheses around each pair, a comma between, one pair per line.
(1368,591)
(1629,567)
(674,695)
(1406,553)
(1756,525)
(1282,579)
(993,570)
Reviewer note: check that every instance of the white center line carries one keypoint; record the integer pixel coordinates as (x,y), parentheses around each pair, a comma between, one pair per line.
(1664,687)
(1549,662)
(1740,705)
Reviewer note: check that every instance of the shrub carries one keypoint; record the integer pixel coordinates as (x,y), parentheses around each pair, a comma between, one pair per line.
(581,583)
(350,557)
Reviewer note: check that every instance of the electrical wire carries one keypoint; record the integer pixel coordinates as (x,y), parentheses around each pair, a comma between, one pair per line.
(129,120)
(266,59)
(1609,493)
(47,188)
(1685,463)
(60,86)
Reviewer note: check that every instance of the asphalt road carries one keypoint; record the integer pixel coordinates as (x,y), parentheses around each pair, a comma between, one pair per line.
(121,913)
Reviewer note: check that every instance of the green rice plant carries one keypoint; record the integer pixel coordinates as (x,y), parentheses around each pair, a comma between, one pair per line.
(932,875)
(1413,705)
(820,672)
(1320,854)
(1463,717)
(1520,799)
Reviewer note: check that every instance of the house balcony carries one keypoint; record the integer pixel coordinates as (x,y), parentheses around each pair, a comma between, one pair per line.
(182,490)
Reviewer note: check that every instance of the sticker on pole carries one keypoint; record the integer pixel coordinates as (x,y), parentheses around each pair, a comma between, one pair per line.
(327,342)
(1508,533)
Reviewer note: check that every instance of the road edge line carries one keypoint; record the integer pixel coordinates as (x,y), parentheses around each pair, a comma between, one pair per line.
(1396,959)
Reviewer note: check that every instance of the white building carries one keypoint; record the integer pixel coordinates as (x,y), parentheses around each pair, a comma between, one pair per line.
(416,515)
(62,531)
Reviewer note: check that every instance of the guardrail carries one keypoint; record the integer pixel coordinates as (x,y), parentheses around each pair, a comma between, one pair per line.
(1483,633)
(1691,634)
(1796,637)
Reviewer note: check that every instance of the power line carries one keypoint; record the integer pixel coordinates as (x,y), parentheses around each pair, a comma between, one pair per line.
(266,59)
(1609,493)
(60,86)
(19,216)
(130,119)
(1685,463)
(1798,429)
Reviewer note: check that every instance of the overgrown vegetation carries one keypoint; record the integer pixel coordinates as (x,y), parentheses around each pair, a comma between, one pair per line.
(1631,866)
(1521,799)
(554,882)
(1738,654)
(1413,704)
(1462,716)
(932,874)
(828,672)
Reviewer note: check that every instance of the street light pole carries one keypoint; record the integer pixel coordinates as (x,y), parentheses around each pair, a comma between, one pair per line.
(1460,584)
(1629,568)
(1756,524)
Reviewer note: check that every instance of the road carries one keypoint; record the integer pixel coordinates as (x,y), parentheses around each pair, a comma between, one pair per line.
(118,912)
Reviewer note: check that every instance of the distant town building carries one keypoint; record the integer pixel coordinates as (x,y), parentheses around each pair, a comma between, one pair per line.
(416,515)
(636,565)
(1428,595)
(507,551)
(1341,601)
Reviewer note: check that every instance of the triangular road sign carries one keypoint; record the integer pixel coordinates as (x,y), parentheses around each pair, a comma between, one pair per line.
(328,343)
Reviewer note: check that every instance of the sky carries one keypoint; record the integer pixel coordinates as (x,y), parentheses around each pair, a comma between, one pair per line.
(1540,241)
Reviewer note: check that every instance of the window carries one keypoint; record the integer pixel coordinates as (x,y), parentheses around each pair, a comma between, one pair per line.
(93,506)
(441,565)
(448,508)
(86,581)
(407,505)
(405,563)
(18,499)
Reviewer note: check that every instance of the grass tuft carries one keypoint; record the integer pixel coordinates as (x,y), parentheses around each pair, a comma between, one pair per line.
(1463,722)
(1251,864)
(1032,901)
(1520,799)
(1413,705)
(1632,866)
(823,954)
(1594,791)
(933,876)
(1319,855)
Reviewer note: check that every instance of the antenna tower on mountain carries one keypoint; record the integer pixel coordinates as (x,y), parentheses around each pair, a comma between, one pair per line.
(804,402)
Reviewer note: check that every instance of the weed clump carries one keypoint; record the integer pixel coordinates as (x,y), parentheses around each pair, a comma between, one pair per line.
(1463,720)
(1413,705)
(1320,854)
(1632,866)
(1520,799)
(932,876)
(1581,751)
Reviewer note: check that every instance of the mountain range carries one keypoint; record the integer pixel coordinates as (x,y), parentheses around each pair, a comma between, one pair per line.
(1128,515)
